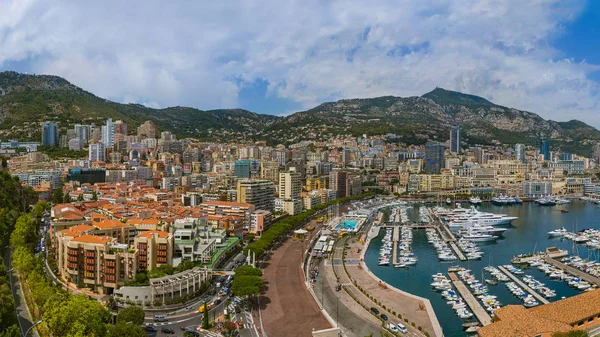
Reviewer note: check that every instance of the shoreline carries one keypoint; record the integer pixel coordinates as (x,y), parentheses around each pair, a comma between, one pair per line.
(430,312)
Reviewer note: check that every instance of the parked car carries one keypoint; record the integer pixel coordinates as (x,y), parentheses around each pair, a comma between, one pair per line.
(189,308)
(393,327)
(160,318)
(338,287)
(402,328)
(151,328)
(167,331)
(240,324)
(375,310)
(384,317)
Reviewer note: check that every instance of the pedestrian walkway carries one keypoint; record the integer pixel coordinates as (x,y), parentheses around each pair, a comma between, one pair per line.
(524,286)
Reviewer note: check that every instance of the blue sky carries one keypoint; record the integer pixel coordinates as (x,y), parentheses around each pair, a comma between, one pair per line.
(280,57)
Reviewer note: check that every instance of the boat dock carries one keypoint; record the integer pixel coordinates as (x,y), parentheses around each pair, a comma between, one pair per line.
(395,239)
(448,237)
(478,310)
(573,271)
(525,287)
(457,251)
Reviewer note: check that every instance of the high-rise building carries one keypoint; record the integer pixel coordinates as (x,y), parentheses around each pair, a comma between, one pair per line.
(50,134)
(82,132)
(260,193)
(148,130)
(434,158)
(97,152)
(520,152)
(120,127)
(290,185)
(108,134)
(455,139)
(242,168)
(545,149)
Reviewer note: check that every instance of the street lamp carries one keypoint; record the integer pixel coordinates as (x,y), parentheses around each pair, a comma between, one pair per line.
(37,323)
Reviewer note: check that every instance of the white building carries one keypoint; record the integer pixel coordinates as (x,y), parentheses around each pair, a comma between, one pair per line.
(97,152)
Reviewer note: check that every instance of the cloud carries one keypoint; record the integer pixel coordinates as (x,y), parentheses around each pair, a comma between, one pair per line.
(203,53)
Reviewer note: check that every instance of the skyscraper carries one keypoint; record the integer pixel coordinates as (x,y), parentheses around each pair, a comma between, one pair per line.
(434,158)
(49,134)
(455,139)
(108,133)
(96,152)
(520,152)
(82,132)
(545,149)
(290,185)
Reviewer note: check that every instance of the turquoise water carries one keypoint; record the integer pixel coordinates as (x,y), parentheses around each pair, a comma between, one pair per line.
(348,225)
(527,232)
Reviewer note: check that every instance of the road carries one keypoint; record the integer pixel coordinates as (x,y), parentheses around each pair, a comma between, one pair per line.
(25,321)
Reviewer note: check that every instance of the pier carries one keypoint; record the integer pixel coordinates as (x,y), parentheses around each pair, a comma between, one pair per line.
(457,251)
(573,271)
(395,239)
(478,310)
(525,287)
(448,237)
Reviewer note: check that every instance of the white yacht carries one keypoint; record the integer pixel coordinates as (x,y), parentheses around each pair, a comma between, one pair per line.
(557,232)
(478,237)
(475,200)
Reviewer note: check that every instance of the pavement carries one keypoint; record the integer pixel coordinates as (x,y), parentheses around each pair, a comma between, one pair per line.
(288,308)
(351,318)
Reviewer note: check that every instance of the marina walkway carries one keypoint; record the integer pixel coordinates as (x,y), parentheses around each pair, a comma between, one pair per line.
(395,239)
(457,251)
(524,286)
(573,271)
(478,310)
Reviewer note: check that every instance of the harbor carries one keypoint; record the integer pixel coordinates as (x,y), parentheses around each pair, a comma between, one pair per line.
(575,272)
(520,283)
(527,234)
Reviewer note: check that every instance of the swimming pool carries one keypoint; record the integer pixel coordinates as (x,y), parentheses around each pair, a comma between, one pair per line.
(347,224)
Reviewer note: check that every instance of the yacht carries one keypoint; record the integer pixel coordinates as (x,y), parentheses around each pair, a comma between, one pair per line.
(546,202)
(557,232)
(475,200)
(448,201)
(478,237)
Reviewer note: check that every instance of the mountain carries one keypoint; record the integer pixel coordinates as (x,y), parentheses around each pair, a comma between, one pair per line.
(417,120)
(28,100)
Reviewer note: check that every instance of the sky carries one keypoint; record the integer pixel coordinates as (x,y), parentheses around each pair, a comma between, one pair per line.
(278,57)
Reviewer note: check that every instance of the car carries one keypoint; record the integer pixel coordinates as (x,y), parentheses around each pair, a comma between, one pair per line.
(167,331)
(240,324)
(402,328)
(384,317)
(393,327)
(338,287)
(189,308)
(171,313)
(217,301)
(191,333)
(375,310)
(160,318)
(151,328)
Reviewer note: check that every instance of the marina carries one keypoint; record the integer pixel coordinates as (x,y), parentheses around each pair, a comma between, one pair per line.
(478,311)
(525,287)
(527,232)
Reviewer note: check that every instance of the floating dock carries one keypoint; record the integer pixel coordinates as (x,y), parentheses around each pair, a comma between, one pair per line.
(476,307)
(395,239)
(573,271)
(457,251)
(525,287)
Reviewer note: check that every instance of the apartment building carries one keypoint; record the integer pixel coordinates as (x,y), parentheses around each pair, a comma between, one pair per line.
(290,185)
(155,248)
(260,193)
(259,221)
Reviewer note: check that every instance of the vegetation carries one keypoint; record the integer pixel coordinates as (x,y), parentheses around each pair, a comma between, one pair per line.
(131,314)
(205,323)
(55,152)
(247,281)
(572,333)
(282,227)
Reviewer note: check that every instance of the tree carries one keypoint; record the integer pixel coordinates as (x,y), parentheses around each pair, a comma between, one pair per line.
(94,196)
(58,196)
(246,285)
(24,234)
(247,270)
(23,260)
(131,314)
(76,316)
(124,329)
(40,208)
(67,198)
(205,324)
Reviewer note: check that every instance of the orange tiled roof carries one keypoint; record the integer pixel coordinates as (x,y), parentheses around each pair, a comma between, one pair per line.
(75,231)
(227,203)
(106,224)
(149,234)
(93,239)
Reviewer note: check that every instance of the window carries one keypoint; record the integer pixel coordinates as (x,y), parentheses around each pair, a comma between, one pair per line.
(591,319)
(580,324)
(136,297)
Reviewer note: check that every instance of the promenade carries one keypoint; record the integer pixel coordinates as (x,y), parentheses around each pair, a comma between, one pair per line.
(413,308)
